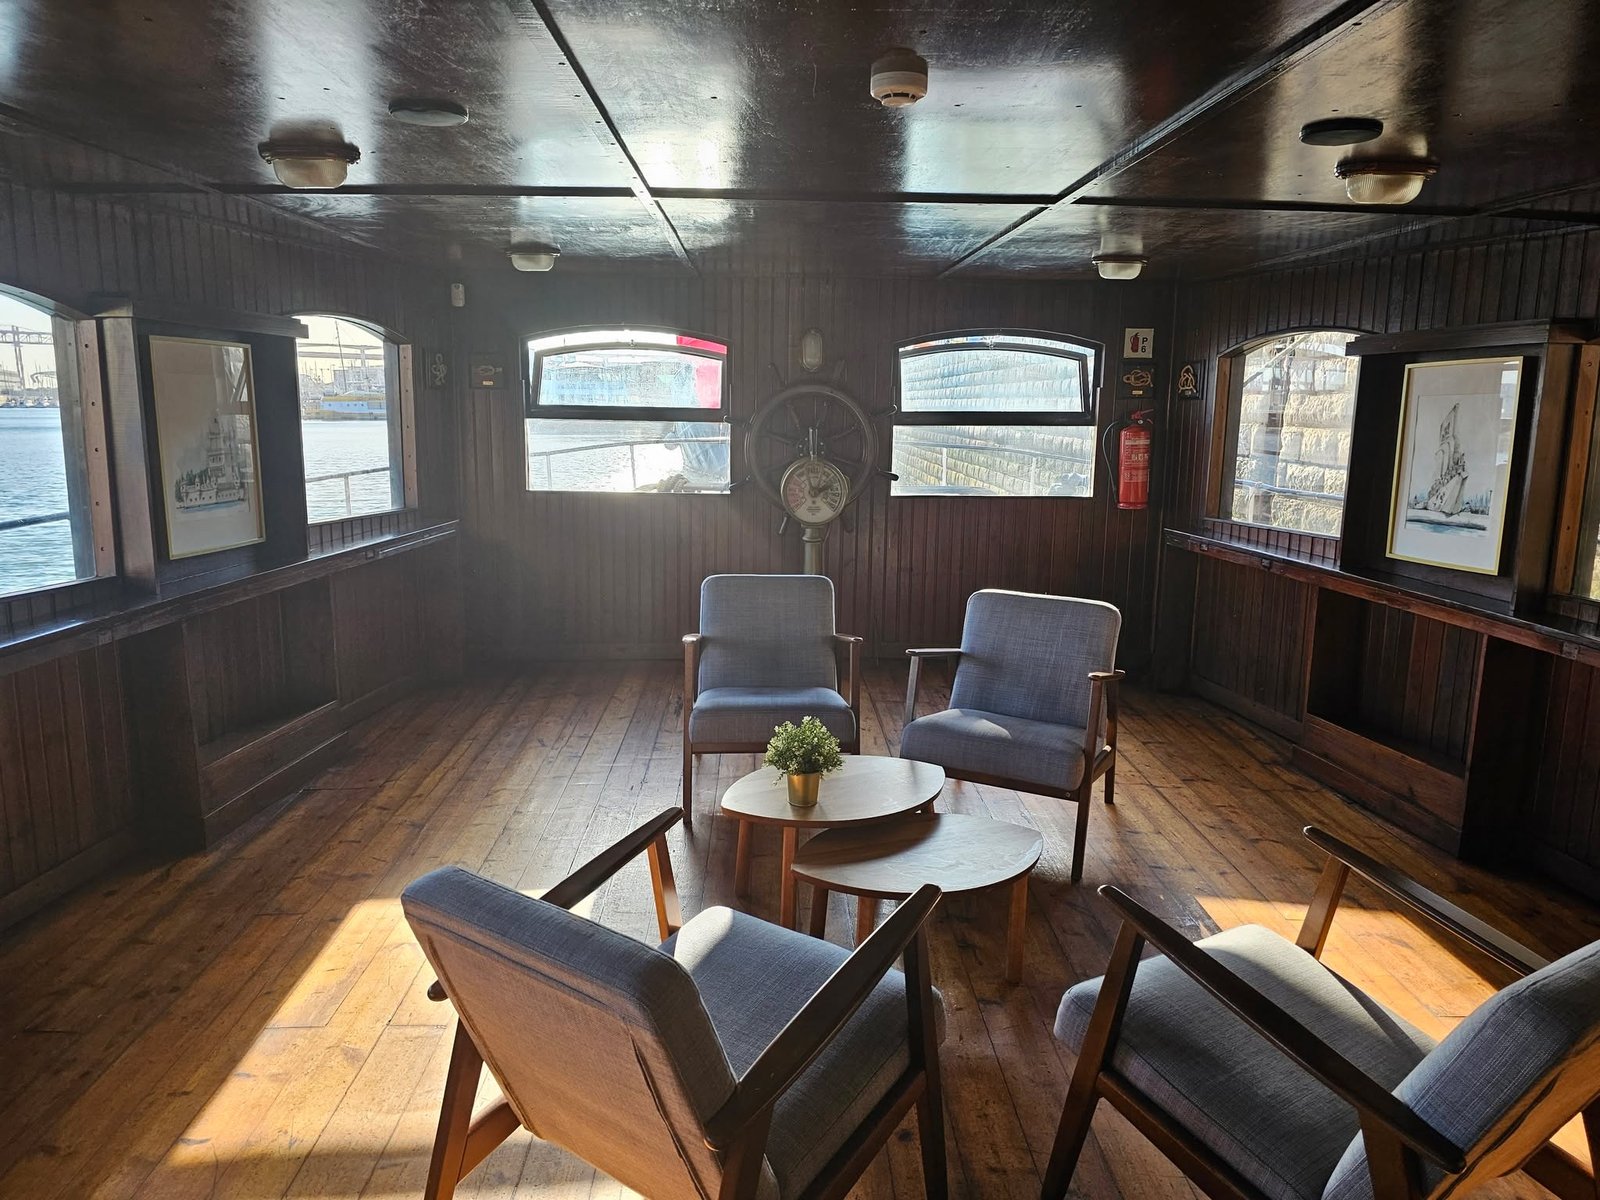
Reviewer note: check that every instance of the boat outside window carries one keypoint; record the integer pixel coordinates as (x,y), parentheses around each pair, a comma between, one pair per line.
(350,424)
(45,535)
(1292,403)
(627,410)
(995,413)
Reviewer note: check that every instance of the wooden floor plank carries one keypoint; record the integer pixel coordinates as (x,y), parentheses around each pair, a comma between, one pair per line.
(251,1023)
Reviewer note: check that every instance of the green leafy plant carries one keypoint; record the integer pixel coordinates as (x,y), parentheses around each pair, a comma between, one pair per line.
(804,749)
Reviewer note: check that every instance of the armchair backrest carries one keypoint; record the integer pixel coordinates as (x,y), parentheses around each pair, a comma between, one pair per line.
(767,631)
(1522,1065)
(599,1042)
(1028,655)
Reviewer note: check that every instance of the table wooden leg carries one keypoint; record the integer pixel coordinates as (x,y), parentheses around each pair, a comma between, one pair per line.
(741,861)
(1017,930)
(786,887)
(866,917)
(819,912)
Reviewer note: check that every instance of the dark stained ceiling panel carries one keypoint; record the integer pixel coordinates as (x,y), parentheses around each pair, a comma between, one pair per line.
(833,236)
(1504,93)
(1023,97)
(589,231)
(195,86)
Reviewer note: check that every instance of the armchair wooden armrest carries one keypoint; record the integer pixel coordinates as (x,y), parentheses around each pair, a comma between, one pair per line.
(915,676)
(852,644)
(691,673)
(650,838)
(1344,858)
(742,1120)
(1389,1125)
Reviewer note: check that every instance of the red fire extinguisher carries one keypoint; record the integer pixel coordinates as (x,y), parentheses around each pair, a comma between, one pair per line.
(1130,470)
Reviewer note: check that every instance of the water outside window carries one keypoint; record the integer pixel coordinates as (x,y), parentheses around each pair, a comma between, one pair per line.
(349,423)
(36,526)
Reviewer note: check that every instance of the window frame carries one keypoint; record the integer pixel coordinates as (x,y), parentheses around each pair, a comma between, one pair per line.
(1225,430)
(534,411)
(400,388)
(86,458)
(1091,383)
(1092,376)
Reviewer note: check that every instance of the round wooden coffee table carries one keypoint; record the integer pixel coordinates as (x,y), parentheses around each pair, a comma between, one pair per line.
(957,853)
(867,789)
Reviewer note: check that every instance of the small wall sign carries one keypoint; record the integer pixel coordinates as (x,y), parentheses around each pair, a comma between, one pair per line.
(1138,343)
(435,369)
(1191,376)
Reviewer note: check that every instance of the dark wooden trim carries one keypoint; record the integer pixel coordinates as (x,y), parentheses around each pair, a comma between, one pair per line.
(1250,710)
(1497,336)
(1550,639)
(175,312)
(65,876)
(43,642)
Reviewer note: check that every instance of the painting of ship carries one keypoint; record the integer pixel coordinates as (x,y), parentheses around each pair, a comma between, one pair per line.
(1449,469)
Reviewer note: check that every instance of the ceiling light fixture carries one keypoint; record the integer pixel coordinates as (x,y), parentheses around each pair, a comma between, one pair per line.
(309,164)
(1340,131)
(533,257)
(1384,180)
(426,110)
(899,78)
(1119,266)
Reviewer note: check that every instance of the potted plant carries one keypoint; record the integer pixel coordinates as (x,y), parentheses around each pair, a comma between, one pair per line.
(805,753)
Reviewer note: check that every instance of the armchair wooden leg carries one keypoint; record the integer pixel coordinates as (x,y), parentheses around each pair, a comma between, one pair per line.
(688,785)
(930,1132)
(455,1118)
(1080,839)
(1111,779)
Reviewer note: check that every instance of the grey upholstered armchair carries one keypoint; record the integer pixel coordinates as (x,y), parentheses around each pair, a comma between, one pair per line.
(766,653)
(1261,1073)
(738,1059)
(1033,673)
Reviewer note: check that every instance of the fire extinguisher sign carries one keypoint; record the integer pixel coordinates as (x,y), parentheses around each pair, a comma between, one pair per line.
(1138,343)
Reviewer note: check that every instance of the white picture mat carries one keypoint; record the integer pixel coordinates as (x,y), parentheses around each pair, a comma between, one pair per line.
(206,437)
(1453,465)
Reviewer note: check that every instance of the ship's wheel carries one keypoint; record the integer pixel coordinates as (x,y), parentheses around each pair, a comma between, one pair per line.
(811,423)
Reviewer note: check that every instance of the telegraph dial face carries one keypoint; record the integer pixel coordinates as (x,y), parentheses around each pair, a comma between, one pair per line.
(814,491)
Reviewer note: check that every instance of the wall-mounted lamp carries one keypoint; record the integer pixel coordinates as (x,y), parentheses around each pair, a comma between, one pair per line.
(1119,266)
(533,257)
(1385,180)
(309,164)
(811,349)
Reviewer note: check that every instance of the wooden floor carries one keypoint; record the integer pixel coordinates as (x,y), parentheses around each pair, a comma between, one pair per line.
(251,1023)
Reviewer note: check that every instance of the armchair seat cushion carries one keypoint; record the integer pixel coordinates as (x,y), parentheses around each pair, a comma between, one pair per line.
(753,977)
(970,740)
(749,714)
(1244,1099)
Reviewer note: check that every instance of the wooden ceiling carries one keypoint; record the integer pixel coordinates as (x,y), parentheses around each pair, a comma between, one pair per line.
(711,135)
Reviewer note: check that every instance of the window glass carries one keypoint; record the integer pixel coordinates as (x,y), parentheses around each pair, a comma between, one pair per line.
(350,422)
(596,408)
(1292,404)
(45,538)
(995,414)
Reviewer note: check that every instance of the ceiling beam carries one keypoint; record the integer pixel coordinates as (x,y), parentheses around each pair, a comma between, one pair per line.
(1230,90)
(532,14)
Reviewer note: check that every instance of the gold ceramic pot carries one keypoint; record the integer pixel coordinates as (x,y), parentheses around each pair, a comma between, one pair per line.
(803,790)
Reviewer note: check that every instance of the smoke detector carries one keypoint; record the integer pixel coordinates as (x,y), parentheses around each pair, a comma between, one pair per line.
(899,78)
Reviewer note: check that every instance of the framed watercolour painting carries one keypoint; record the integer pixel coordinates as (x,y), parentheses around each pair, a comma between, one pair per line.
(206,435)
(1452,476)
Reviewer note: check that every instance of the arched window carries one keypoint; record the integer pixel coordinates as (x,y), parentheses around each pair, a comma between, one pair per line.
(995,413)
(46,527)
(627,410)
(1291,402)
(351,421)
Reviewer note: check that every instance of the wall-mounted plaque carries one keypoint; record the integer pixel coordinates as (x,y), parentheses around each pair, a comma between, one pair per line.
(1191,378)
(1137,382)
(435,369)
(488,370)
(206,438)
(1138,343)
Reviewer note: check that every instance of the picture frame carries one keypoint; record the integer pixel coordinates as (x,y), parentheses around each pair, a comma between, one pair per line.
(1452,476)
(203,392)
